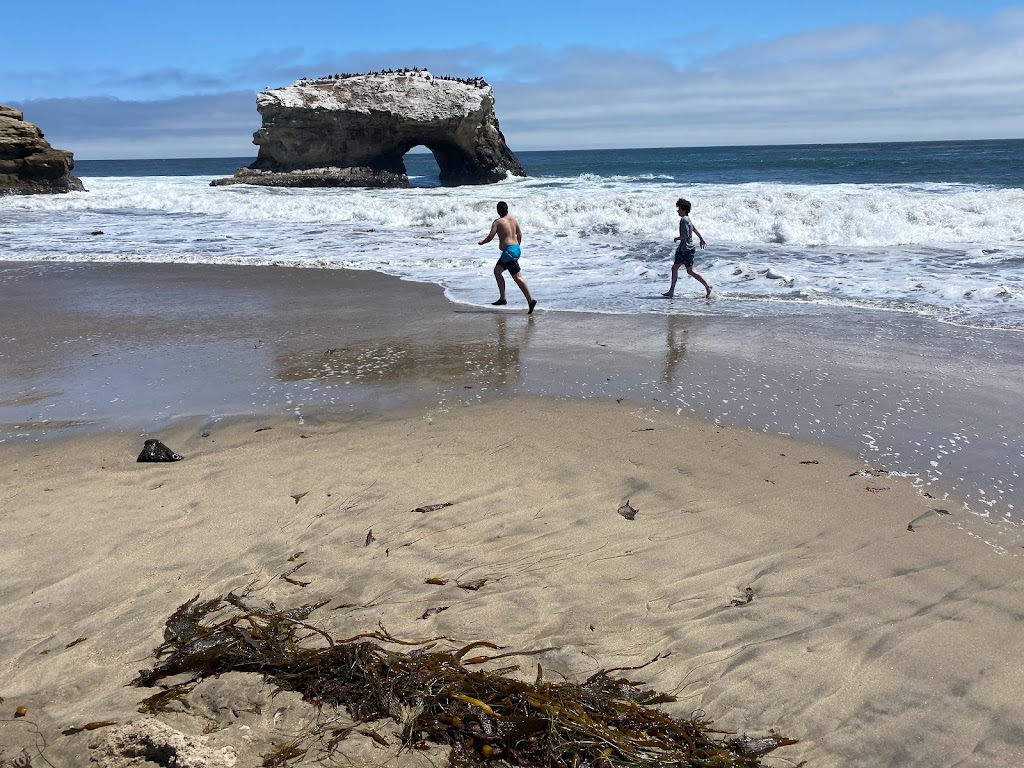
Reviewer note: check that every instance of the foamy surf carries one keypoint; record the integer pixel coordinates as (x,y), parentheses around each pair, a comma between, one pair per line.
(954,252)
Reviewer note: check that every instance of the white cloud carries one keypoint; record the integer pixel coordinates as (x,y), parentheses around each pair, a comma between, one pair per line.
(218,125)
(933,78)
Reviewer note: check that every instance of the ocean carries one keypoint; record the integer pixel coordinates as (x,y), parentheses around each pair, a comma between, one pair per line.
(933,229)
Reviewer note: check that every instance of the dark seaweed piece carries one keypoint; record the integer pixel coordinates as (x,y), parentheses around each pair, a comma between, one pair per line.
(758,747)
(748,595)
(282,754)
(621,688)
(433,507)
(432,611)
(628,511)
(480,715)
(161,701)
(287,576)
(88,727)
(184,623)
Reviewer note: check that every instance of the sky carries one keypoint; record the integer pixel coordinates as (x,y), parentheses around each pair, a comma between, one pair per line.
(154,80)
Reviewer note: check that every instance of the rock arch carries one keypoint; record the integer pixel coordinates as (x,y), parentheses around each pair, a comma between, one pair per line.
(354,130)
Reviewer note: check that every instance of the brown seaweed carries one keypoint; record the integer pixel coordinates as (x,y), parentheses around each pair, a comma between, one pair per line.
(433,507)
(748,595)
(628,511)
(479,714)
(88,727)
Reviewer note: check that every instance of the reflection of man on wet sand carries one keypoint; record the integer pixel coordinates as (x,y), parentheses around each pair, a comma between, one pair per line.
(506,357)
(509,239)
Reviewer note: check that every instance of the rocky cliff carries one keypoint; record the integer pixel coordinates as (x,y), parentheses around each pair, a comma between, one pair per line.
(28,164)
(353,130)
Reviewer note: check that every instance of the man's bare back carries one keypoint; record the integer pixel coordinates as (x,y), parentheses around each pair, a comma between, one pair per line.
(507,230)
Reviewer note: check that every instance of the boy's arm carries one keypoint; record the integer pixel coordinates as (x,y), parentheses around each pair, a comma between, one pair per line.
(519,234)
(699,237)
(491,234)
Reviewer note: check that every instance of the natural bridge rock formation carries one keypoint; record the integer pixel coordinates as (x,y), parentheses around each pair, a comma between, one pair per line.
(28,164)
(353,131)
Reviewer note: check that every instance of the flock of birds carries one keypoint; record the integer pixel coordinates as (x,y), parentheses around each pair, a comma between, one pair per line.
(478,82)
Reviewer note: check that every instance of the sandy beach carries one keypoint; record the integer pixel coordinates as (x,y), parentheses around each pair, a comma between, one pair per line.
(797,563)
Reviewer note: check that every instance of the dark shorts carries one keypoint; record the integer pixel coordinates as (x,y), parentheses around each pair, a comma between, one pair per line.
(685,255)
(509,259)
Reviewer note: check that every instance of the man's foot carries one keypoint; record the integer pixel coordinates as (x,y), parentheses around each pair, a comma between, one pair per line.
(708,296)
(667,294)
(532,305)
(499,303)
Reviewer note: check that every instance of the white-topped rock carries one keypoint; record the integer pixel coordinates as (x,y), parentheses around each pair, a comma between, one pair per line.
(361,126)
(416,95)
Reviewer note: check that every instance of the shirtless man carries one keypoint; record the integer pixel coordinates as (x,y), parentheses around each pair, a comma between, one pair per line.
(509,239)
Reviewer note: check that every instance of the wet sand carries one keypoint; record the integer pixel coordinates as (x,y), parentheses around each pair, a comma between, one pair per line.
(136,346)
(881,631)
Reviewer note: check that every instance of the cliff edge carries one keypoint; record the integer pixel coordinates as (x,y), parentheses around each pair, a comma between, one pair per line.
(28,164)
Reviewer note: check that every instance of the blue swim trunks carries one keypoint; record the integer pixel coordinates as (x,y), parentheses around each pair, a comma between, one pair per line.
(509,259)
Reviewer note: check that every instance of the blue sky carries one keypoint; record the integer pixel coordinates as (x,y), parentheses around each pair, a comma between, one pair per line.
(121,80)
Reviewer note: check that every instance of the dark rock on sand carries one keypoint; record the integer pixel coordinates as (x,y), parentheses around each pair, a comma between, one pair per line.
(154,450)
(28,164)
(354,130)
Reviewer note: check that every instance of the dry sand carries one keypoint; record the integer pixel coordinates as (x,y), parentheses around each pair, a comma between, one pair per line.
(880,632)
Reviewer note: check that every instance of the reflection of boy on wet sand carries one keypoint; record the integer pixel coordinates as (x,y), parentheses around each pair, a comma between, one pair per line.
(678,326)
(509,239)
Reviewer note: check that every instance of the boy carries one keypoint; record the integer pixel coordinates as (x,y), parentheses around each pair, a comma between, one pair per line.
(509,239)
(686,250)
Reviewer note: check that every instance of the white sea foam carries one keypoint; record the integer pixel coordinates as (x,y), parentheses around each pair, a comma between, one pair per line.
(591,243)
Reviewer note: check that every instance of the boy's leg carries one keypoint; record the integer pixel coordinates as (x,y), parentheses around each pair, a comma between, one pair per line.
(500,280)
(699,279)
(675,276)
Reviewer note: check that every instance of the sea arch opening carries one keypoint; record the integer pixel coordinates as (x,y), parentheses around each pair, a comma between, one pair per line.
(421,167)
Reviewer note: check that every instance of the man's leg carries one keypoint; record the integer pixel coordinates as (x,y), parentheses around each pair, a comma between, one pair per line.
(500,280)
(518,277)
(698,278)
